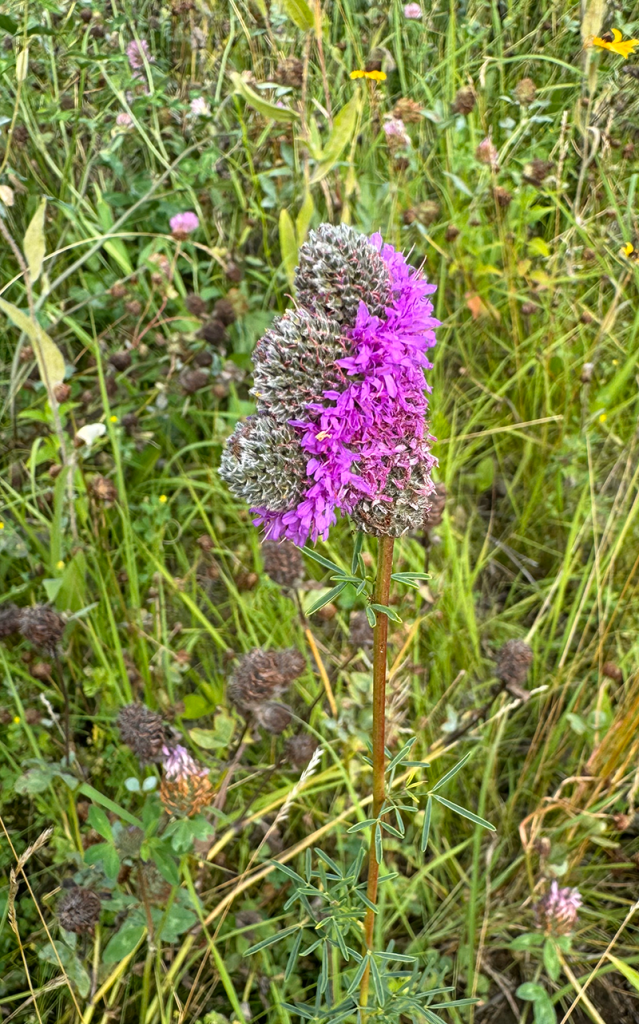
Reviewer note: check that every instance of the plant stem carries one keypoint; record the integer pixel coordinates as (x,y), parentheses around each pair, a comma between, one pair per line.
(380,639)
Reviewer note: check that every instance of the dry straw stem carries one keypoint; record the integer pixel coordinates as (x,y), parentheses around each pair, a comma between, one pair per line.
(13,891)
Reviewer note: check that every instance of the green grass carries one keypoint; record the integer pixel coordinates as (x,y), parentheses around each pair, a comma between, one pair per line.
(539,456)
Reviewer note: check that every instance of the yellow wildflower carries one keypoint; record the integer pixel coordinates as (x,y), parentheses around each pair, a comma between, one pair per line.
(163,499)
(616,44)
(59,565)
(377,76)
(603,417)
(113,419)
(629,250)
(16,719)
(1,526)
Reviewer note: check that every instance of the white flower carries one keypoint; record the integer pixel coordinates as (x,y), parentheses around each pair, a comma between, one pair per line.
(200,108)
(90,432)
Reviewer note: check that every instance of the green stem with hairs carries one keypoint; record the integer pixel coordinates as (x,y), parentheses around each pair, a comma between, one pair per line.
(380,641)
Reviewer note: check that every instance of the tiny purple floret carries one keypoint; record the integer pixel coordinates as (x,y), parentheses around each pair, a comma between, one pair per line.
(179,765)
(136,52)
(183,224)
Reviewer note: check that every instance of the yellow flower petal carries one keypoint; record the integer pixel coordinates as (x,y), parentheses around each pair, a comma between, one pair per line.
(357,74)
(617,35)
(163,499)
(377,76)
(628,249)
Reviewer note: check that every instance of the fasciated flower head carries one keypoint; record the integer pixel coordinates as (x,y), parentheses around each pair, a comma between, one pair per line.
(341,397)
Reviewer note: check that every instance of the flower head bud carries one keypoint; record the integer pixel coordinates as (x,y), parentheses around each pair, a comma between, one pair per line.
(184,224)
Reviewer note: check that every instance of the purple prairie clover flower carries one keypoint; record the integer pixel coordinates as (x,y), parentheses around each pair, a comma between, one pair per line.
(184,224)
(179,765)
(557,910)
(136,51)
(341,410)
(412,11)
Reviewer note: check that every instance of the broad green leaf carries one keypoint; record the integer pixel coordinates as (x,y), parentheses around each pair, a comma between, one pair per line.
(341,134)
(22,64)
(99,821)
(299,12)
(527,940)
(465,813)
(206,738)
(288,245)
(8,24)
(303,219)
(530,991)
(262,106)
(629,973)
(123,942)
(34,244)
(48,356)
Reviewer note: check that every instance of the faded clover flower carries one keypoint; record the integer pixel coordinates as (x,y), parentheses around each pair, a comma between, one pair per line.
(557,910)
(124,120)
(412,11)
(395,132)
(341,397)
(186,788)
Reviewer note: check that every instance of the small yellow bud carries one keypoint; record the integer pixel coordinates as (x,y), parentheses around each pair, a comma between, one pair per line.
(17,719)
(59,565)
(603,417)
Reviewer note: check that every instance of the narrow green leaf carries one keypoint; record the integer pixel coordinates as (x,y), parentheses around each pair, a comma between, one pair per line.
(359,540)
(400,756)
(22,64)
(299,12)
(629,973)
(34,244)
(293,955)
(465,813)
(359,974)
(377,982)
(315,555)
(327,598)
(110,805)
(362,824)
(370,615)
(405,577)
(262,106)
(271,940)
(288,245)
(453,771)
(383,609)
(426,826)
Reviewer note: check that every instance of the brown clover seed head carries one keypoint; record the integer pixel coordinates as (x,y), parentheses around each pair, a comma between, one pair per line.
(104,489)
(20,135)
(120,360)
(537,171)
(452,232)
(525,91)
(9,620)
(186,796)
(129,421)
(290,71)
(41,670)
(262,676)
(42,627)
(408,111)
(5,716)
(142,730)
(196,305)
(194,380)
(273,717)
(437,501)
(234,272)
(85,14)
(79,910)
(612,671)
(502,196)
(283,562)
(117,290)
(514,662)
(528,308)
(464,101)
(360,630)
(97,31)
(62,392)
(203,359)
(300,749)
(225,312)
(213,332)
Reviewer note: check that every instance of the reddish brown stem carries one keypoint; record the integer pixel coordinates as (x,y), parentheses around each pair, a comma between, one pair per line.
(380,641)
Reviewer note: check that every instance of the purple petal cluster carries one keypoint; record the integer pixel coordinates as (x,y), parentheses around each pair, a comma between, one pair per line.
(179,765)
(557,911)
(366,442)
